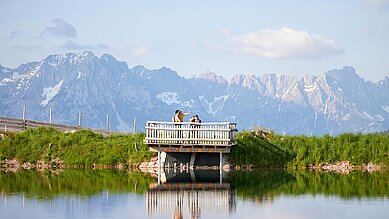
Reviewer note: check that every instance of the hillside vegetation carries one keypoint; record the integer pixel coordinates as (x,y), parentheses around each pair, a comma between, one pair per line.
(85,148)
(79,148)
(283,150)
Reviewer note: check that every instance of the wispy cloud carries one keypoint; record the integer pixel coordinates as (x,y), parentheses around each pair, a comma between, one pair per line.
(378,3)
(15,34)
(138,51)
(60,29)
(278,44)
(29,47)
(77,46)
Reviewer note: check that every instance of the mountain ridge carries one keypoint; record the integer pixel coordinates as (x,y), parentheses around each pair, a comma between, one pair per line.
(332,102)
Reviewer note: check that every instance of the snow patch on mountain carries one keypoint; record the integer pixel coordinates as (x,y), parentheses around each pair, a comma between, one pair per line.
(5,81)
(16,76)
(79,75)
(368,115)
(169,98)
(216,105)
(309,88)
(385,107)
(379,117)
(50,92)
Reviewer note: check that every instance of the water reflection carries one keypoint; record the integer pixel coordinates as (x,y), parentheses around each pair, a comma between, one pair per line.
(200,194)
(191,193)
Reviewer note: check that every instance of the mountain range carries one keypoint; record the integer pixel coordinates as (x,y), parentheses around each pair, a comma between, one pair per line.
(333,102)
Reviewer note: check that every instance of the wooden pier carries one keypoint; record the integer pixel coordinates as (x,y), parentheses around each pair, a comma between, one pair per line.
(186,137)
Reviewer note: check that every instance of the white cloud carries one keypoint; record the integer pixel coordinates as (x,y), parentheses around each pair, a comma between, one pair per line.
(378,3)
(225,30)
(61,29)
(193,43)
(276,44)
(285,43)
(138,51)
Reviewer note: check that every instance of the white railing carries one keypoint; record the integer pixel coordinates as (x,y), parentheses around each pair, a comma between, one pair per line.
(186,133)
(190,202)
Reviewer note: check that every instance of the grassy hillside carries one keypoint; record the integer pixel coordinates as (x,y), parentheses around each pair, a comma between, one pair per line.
(80,148)
(85,148)
(280,150)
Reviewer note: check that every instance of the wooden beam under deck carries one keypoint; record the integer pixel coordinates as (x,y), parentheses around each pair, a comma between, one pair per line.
(193,148)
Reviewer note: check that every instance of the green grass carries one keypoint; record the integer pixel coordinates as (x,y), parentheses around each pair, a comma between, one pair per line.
(259,152)
(302,151)
(80,148)
(85,148)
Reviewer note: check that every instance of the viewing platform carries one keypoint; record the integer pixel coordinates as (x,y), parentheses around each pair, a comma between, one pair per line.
(190,137)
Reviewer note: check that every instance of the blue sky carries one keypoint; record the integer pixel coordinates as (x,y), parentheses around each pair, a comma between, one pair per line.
(192,37)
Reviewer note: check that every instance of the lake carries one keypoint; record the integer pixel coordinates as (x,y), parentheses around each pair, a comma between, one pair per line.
(79,193)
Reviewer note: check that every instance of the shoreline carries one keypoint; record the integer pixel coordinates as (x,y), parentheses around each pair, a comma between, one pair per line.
(342,167)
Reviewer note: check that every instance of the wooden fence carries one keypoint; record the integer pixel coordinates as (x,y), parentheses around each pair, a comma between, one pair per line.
(12,124)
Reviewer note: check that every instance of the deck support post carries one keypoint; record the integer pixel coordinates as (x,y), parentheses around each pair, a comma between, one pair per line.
(220,160)
(220,167)
(159,166)
(192,160)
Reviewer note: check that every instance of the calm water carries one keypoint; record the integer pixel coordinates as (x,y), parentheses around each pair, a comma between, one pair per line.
(201,194)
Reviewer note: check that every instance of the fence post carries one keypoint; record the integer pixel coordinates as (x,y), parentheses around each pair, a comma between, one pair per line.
(107,122)
(24,112)
(134,124)
(24,117)
(51,116)
(79,119)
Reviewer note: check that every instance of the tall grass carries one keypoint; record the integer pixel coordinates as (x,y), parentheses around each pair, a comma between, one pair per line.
(282,150)
(357,148)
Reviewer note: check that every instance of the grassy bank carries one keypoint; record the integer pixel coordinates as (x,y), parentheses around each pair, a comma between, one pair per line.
(80,148)
(85,148)
(280,150)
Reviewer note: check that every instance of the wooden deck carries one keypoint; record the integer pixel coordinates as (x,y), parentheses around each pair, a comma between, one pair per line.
(190,137)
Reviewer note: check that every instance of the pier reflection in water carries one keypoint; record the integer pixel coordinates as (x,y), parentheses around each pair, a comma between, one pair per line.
(191,193)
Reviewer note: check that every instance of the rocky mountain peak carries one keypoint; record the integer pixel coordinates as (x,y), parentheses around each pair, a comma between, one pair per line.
(210,76)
